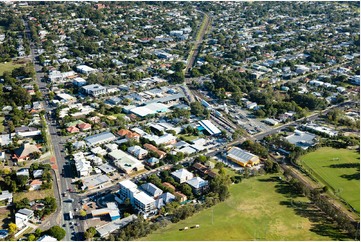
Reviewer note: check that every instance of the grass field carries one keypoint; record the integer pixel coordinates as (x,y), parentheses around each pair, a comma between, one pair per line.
(32,195)
(188,138)
(339,169)
(261,208)
(8,66)
(2,128)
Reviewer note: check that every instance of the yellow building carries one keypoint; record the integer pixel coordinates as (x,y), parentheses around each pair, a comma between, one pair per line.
(242,157)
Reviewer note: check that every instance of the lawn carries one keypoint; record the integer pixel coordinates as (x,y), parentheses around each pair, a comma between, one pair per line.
(2,128)
(259,208)
(188,138)
(339,169)
(32,195)
(8,66)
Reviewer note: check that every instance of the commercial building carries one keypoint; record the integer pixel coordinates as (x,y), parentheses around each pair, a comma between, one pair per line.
(47,238)
(65,98)
(79,82)
(316,128)
(26,131)
(84,69)
(166,139)
(302,139)
(82,165)
(93,182)
(149,109)
(111,210)
(94,89)
(242,157)
(109,228)
(140,200)
(125,161)
(99,139)
(144,203)
(209,127)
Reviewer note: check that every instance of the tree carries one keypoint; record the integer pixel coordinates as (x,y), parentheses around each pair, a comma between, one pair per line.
(56,232)
(21,180)
(90,232)
(12,228)
(82,213)
(31,237)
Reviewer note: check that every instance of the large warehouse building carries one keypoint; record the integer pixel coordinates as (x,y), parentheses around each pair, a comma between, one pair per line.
(242,157)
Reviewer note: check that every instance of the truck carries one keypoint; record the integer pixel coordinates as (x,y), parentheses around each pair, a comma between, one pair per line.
(70,215)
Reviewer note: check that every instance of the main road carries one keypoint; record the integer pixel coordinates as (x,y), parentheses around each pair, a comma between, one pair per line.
(62,171)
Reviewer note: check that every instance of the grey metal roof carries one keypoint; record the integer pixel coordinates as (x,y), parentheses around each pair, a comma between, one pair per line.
(197,182)
(151,189)
(94,139)
(240,155)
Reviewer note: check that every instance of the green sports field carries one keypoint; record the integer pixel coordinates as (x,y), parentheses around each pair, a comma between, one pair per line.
(262,208)
(339,169)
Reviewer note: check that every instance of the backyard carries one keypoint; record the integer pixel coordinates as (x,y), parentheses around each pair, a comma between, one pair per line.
(2,128)
(259,208)
(33,195)
(339,169)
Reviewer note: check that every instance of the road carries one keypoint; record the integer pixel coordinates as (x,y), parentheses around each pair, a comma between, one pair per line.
(62,183)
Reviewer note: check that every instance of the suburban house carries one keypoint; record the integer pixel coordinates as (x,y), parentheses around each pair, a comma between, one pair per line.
(35,185)
(22,217)
(23,172)
(72,130)
(84,126)
(198,185)
(38,173)
(124,133)
(182,175)
(242,157)
(180,196)
(150,147)
(6,198)
(24,152)
(138,152)
(152,161)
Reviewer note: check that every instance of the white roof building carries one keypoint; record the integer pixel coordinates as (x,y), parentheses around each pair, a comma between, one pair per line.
(101,138)
(125,161)
(94,89)
(182,175)
(209,127)
(84,69)
(47,238)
